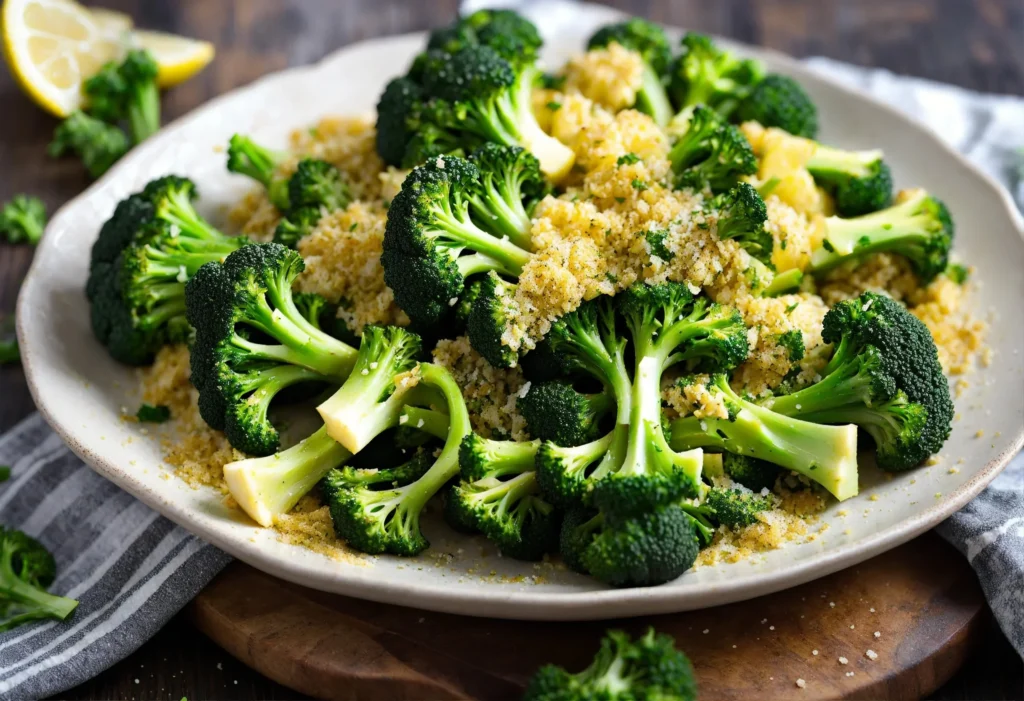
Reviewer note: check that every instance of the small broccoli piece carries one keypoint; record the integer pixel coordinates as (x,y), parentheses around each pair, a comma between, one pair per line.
(372,397)
(460,100)
(784,283)
(860,181)
(958,273)
(703,74)
(623,670)
(253,341)
(5,473)
(656,239)
(556,412)
(918,227)
(505,31)
(884,376)
(26,570)
(127,91)
(150,414)
(499,497)
(648,40)
(248,158)
(317,183)
(640,551)
(742,216)
(488,320)
(735,508)
(753,473)
(146,252)
(23,219)
(298,224)
(711,153)
(793,342)
(825,454)
(387,520)
(97,144)
(432,245)
(779,101)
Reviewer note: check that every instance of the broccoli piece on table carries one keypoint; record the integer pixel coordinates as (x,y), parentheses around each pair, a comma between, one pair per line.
(23,219)
(433,244)
(623,670)
(97,144)
(127,91)
(556,412)
(711,153)
(145,254)
(388,520)
(648,40)
(703,74)
(825,454)
(779,101)
(253,341)
(26,570)
(917,227)
(884,376)
(859,181)
(499,497)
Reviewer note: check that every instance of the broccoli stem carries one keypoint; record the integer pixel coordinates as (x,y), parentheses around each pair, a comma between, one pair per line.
(652,99)
(269,487)
(476,263)
(555,158)
(144,110)
(502,210)
(825,454)
(784,283)
(267,384)
(842,387)
(40,604)
(176,209)
(833,164)
(429,421)
(162,313)
(505,495)
(248,158)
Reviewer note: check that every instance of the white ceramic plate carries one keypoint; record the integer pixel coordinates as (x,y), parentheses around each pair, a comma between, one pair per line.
(80,390)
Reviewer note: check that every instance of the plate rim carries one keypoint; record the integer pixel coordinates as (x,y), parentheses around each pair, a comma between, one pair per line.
(502,603)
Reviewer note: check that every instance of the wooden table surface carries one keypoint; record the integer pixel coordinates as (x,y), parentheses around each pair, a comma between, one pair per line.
(977,44)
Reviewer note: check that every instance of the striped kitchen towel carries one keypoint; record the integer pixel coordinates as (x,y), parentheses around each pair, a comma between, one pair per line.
(130,568)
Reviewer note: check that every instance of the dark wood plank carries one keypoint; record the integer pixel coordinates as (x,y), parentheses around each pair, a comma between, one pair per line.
(973,43)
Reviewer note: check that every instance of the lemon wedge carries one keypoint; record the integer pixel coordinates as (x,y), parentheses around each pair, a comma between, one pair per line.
(111,22)
(51,46)
(179,58)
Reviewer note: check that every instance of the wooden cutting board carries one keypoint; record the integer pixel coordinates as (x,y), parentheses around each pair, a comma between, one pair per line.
(922,599)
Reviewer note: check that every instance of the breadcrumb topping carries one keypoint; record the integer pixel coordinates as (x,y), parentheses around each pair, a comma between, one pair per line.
(610,76)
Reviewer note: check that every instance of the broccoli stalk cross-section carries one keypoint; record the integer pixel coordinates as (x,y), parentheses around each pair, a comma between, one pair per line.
(26,569)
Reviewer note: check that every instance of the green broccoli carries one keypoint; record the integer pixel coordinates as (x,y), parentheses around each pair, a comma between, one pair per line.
(23,219)
(648,40)
(510,186)
(860,181)
(753,473)
(99,145)
(825,454)
(623,670)
(146,252)
(884,376)
(433,243)
(736,508)
(505,31)
(253,341)
(779,101)
(742,215)
(499,497)
(711,153)
(703,74)
(127,91)
(388,520)
(26,570)
(784,283)
(918,227)
(149,414)
(372,397)
(556,412)
(461,100)
(259,163)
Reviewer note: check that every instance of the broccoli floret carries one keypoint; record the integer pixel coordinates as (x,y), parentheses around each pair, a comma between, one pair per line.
(432,244)
(622,670)
(958,273)
(779,101)
(703,74)
(511,184)
(825,454)
(296,225)
(387,520)
(505,31)
(23,219)
(460,100)
(146,252)
(884,376)
(499,497)
(918,227)
(793,342)
(753,473)
(656,242)
(648,40)
(371,398)
(640,551)
(150,414)
(26,570)
(248,158)
(711,153)
(252,342)
(860,181)
(735,508)
(556,412)
(493,300)
(97,144)
(317,183)
(127,91)
(741,216)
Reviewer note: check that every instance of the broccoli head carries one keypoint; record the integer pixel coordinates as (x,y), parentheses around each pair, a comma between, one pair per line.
(753,473)
(736,508)
(779,101)
(859,181)
(649,41)
(127,92)
(97,144)
(507,32)
(703,74)
(23,219)
(556,412)
(711,153)
(26,570)
(742,216)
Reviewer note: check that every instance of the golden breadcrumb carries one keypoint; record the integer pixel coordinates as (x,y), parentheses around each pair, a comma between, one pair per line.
(610,76)
(309,525)
(794,234)
(694,398)
(958,334)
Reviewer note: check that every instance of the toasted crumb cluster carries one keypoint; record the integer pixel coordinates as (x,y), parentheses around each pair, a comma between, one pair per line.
(610,76)
(694,398)
(959,334)
(490,393)
(309,525)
